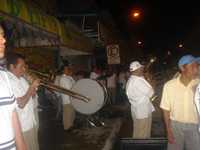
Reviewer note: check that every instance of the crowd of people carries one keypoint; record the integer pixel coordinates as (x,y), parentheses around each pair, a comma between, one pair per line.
(180,100)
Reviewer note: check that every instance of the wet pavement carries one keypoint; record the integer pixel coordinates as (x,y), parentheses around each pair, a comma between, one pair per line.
(96,132)
(91,132)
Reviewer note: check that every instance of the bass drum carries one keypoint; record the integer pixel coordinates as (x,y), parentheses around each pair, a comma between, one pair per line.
(92,89)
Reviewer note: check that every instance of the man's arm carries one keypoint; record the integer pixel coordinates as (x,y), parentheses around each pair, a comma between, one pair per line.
(22,101)
(19,139)
(165,105)
(170,135)
(145,88)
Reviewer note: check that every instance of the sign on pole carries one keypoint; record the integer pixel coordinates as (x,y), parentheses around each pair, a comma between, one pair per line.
(113,56)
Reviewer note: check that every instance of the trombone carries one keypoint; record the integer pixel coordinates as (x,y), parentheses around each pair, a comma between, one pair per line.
(45,79)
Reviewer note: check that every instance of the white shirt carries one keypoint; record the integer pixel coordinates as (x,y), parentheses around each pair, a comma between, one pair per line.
(139,92)
(66,82)
(197,98)
(26,115)
(7,106)
(57,82)
(197,102)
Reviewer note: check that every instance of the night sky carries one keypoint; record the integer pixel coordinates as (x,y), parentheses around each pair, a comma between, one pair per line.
(161,20)
(163,24)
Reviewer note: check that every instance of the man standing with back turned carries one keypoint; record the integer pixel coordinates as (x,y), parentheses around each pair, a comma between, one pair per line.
(139,92)
(178,106)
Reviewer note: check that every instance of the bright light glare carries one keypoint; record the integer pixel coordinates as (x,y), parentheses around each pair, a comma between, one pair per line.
(136,14)
(180,45)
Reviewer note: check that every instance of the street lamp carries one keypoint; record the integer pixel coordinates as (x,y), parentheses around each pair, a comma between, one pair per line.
(139,42)
(180,45)
(135,14)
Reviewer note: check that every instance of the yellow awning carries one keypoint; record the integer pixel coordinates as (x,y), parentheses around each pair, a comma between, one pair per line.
(69,35)
(31,15)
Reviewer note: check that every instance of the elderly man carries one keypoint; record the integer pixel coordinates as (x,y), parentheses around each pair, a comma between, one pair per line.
(178,107)
(139,92)
(10,131)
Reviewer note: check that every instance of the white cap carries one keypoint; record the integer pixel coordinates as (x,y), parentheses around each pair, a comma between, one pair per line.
(135,65)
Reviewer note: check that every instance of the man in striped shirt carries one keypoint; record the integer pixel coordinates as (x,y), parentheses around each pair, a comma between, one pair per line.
(11,137)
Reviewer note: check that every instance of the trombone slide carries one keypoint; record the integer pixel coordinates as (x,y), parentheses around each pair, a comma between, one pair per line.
(64,91)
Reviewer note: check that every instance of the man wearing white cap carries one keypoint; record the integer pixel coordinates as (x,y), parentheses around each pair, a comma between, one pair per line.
(139,92)
(177,103)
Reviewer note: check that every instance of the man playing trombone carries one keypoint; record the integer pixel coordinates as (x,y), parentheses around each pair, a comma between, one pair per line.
(26,99)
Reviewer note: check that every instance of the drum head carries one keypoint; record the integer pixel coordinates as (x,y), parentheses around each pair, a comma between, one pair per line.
(91,89)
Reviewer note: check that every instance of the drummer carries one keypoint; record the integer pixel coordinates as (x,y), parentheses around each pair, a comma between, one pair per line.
(66,81)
